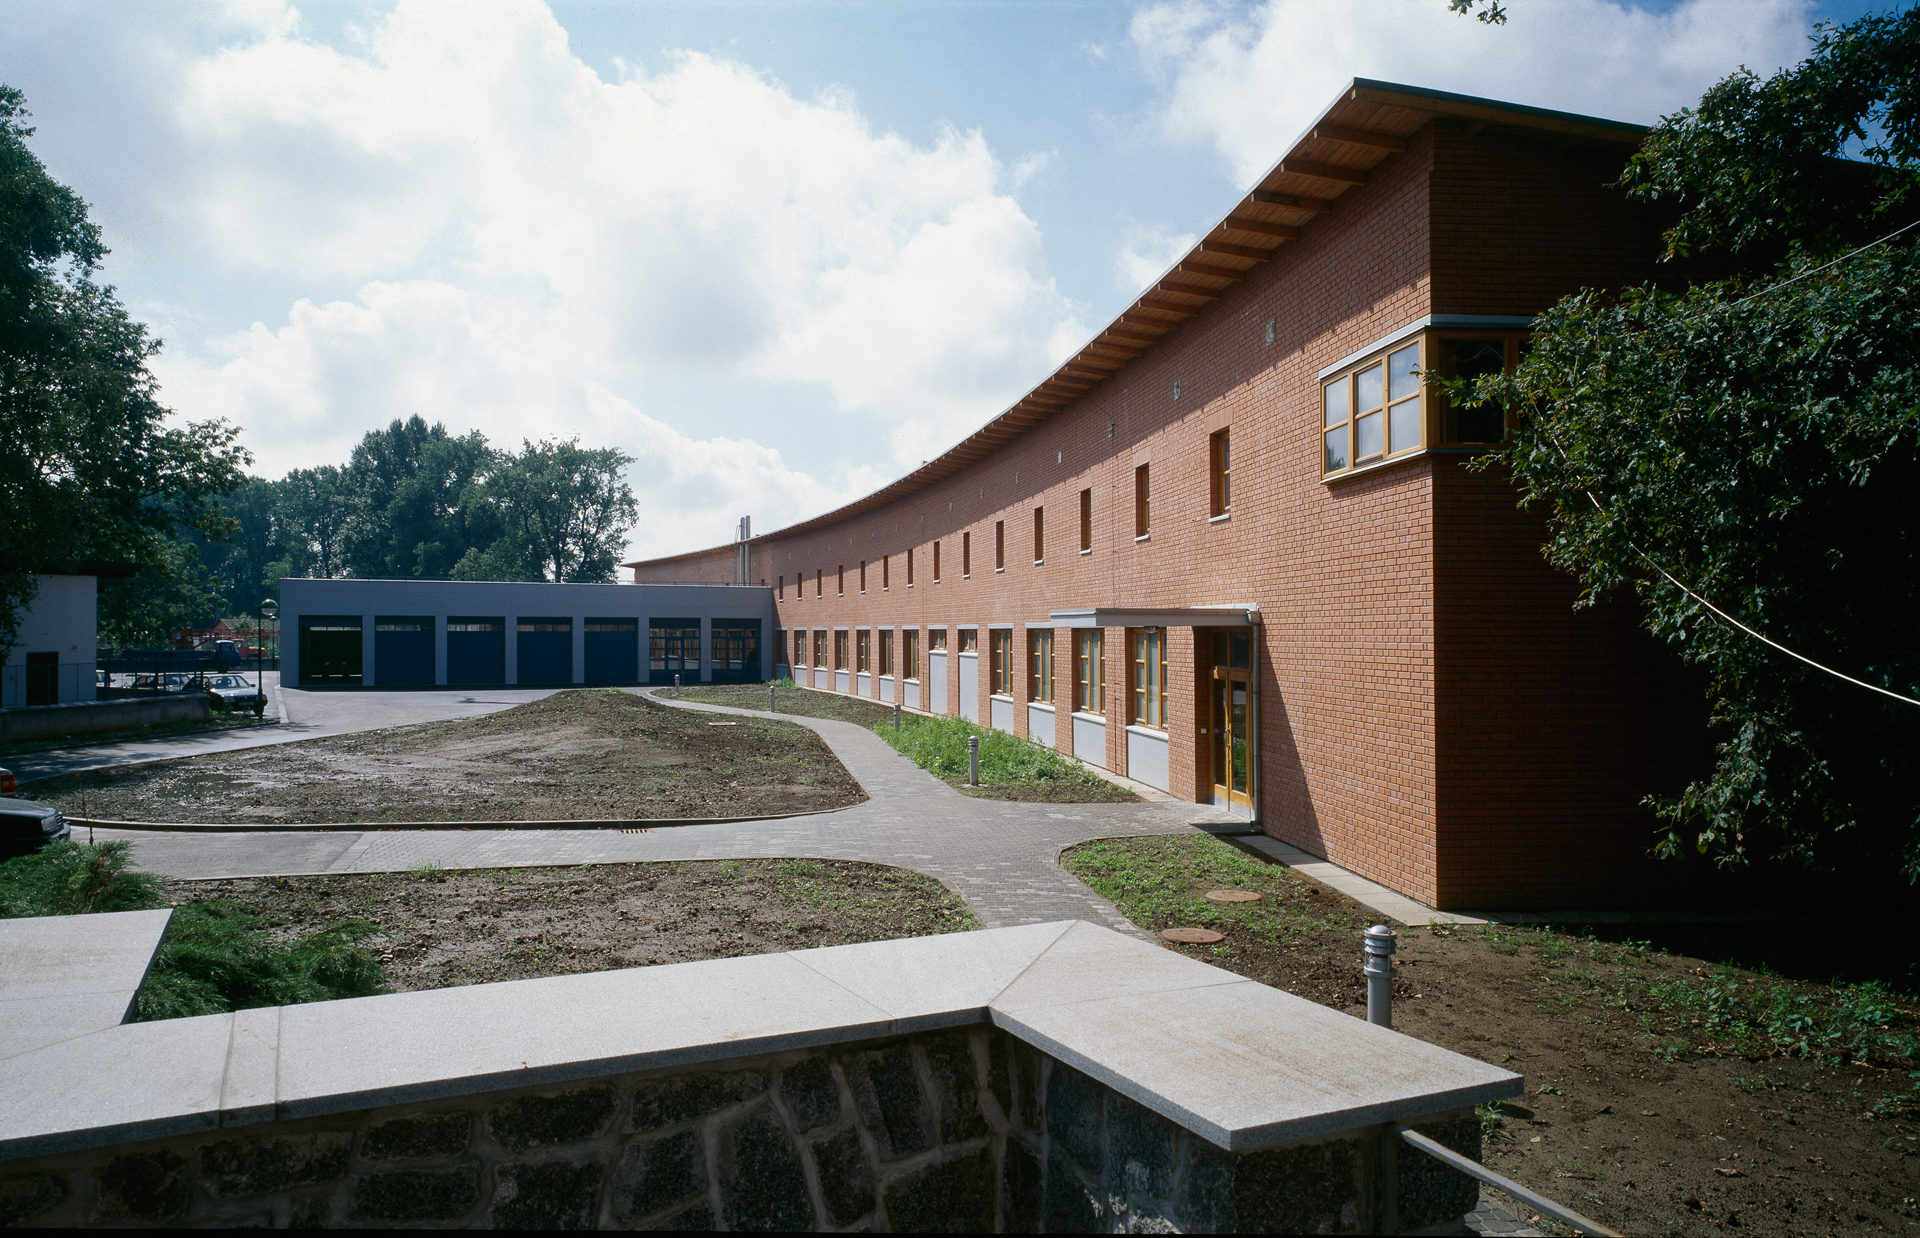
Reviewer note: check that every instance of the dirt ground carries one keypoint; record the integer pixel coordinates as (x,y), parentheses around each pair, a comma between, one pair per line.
(1647,1108)
(443,928)
(568,757)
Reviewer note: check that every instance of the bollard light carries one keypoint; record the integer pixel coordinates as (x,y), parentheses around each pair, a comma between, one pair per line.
(896,715)
(1379,972)
(770,708)
(676,683)
(973,760)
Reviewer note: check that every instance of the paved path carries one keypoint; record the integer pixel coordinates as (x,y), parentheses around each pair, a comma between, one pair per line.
(1001,857)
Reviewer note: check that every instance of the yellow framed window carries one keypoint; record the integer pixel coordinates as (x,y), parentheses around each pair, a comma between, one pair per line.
(1040,665)
(1148,678)
(886,651)
(1089,671)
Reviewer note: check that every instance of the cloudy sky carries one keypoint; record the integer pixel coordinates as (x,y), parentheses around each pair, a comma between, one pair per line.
(778,252)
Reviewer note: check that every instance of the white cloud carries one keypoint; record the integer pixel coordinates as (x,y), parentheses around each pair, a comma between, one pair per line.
(1247,80)
(1146,253)
(470,222)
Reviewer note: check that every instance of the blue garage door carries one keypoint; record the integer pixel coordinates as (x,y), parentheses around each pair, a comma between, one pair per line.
(476,649)
(330,651)
(674,648)
(736,651)
(545,650)
(403,651)
(613,651)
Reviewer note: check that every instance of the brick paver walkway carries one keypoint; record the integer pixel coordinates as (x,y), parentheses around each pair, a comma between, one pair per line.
(1001,857)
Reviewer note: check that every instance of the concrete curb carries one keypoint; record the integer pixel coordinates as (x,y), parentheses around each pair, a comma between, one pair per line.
(611,823)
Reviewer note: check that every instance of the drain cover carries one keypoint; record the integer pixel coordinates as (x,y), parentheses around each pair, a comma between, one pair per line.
(1232,896)
(1193,936)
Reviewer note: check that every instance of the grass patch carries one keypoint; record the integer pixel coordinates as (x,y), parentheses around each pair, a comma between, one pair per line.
(1010,767)
(789,699)
(217,956)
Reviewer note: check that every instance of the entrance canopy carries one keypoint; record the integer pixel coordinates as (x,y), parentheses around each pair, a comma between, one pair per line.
(1230,616)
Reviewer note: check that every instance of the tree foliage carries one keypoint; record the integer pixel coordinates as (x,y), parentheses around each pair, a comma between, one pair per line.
(1759,439)
(91,468)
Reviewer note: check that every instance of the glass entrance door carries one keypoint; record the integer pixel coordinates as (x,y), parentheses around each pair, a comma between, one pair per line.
(1230,721)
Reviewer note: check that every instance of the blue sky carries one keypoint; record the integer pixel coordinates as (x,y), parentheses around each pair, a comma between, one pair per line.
(779,252)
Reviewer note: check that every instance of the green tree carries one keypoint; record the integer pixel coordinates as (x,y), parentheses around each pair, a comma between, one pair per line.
(316,507)
(1757,439)
(248,566)
(90,468)
(565,511)
(416,517)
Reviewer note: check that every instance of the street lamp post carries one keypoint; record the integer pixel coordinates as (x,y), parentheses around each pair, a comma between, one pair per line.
(269,610)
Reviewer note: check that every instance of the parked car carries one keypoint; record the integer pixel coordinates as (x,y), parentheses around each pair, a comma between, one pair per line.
(8,783)
(228,691)
(28,825)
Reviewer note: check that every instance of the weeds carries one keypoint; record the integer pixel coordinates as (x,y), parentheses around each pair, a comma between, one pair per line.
(939,746)
(1493,1122)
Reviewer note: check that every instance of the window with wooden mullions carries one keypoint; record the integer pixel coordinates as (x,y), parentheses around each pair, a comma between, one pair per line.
(1149,678)
(820,648)
(863,651)
(1040,665)
(886,651)
(839,651)
(1000,661)
(1089,672)
(1373,411)
(910,653)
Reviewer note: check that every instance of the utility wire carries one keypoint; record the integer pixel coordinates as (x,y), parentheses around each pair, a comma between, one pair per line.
(1723,615)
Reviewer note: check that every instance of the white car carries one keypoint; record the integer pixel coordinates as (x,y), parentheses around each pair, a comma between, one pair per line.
(231,690)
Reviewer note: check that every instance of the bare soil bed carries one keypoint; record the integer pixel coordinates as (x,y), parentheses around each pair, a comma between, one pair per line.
(568,757)
(1665,1093)
(441,928)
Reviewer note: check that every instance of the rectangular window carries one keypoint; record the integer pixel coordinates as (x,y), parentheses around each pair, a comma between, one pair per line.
(886,651)
(936,563)
(781,591)
(1149,677)
(1039,535)
(1089,671)
(966,555)
(1142,503)
(800,647)
(863,575)
(999,545)
(1000,659)
(820,648)
(909,567)
(1040,665)
(910,653)
(817,591)
(863,651)
(1086,521)
(1220,468)
(969,640)
(937,639)
(1372,410)
(1473,357)
(840,581)
(886,573)
(840,650)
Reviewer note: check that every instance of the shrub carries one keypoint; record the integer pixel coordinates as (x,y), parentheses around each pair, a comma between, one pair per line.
(939,746)
(67,879)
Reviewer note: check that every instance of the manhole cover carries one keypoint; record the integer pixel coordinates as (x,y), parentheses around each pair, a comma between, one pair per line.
(1192,936)
(1232,896)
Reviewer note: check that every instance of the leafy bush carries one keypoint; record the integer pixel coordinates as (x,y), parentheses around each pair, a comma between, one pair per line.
(939,746)
(216,956)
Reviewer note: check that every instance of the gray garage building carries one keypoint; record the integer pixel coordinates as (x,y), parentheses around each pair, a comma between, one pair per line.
(471,633)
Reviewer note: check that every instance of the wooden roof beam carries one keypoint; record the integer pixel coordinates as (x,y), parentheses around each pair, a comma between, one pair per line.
(1360,137)
(1322,171)
(1208,269)
(1236,251)
(1317,206)
(1160,303)
(1261,227)
(1128,331)
(1186,289)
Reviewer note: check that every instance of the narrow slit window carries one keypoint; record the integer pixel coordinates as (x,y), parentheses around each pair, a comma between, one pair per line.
(1039,535)
(1142,502)
(966,555)
(1086,520)
(999,545)
(1220,467)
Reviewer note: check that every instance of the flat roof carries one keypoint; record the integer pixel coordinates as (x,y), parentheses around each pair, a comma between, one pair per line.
(1368,121)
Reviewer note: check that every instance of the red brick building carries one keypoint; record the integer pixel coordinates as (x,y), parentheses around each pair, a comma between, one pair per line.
(1231,547)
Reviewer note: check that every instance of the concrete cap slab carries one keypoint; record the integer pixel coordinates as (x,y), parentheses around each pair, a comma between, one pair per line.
(935,981)
(251,1087)
(63,977)
(443,1042)
(1246,1066)
(1090,963)
(136,1081)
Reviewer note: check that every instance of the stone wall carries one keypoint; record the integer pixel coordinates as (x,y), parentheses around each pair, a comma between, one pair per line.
(966,1128)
